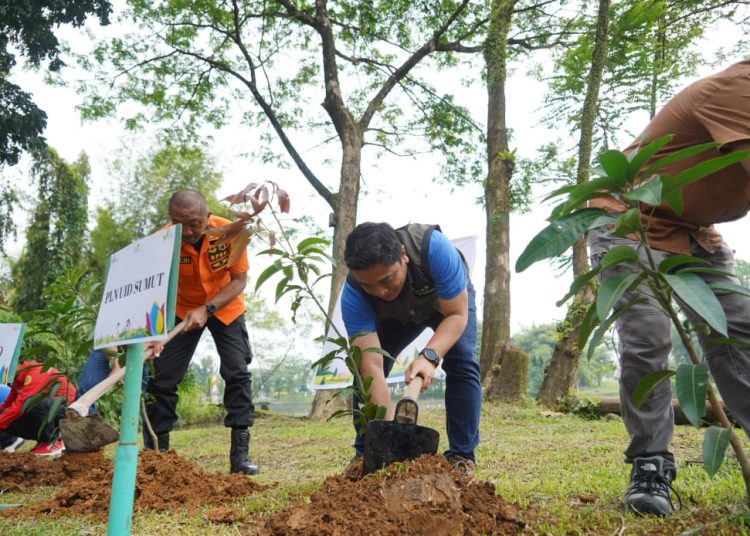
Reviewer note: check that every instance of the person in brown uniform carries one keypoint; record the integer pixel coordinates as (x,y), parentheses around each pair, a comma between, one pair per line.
(713,109)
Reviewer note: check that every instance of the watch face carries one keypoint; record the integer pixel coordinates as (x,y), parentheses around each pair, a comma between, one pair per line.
(431,356)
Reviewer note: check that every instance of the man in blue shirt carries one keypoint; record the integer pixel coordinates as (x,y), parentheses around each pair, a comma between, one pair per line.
(401,282)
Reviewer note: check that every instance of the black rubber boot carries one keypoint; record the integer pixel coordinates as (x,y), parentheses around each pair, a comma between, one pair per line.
(162,438)
(239,461)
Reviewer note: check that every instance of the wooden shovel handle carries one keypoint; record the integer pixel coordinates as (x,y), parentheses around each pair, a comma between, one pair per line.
(414,388)
(81,406)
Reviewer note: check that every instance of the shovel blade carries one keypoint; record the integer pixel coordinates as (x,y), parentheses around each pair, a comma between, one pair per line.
(388,441)
(86,434)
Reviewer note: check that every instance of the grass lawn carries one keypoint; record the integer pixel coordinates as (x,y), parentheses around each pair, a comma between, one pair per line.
(566,473)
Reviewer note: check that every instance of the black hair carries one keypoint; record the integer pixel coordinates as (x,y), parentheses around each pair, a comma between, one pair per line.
(370,244)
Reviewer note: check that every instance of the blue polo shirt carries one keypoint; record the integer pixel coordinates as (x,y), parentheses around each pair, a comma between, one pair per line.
(446,268)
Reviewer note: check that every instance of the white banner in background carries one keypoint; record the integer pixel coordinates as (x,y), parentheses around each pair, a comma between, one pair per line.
(134,302)
(11,337)
(337,376)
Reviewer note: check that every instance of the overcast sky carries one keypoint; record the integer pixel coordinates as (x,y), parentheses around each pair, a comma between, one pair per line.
(395,190)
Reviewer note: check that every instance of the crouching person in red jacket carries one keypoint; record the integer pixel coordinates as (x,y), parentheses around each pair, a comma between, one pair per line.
(30,380)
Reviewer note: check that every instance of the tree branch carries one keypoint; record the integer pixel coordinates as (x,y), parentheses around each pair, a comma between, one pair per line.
(401,72)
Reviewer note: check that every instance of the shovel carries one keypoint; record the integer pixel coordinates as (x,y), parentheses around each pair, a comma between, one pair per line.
(82,432)
(400,439)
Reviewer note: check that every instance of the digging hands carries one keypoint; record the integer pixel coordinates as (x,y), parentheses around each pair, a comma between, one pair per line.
(420,367)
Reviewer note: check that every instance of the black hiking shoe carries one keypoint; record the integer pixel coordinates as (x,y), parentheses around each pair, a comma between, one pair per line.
(650,486)
(239,460)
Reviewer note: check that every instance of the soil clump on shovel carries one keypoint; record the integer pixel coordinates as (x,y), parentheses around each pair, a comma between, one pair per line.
(420,496)
(164,482)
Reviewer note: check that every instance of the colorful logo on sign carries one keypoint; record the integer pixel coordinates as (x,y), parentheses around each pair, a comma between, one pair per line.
(155,319)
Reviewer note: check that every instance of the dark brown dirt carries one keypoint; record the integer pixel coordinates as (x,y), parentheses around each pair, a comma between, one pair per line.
(422,496)
(164,482)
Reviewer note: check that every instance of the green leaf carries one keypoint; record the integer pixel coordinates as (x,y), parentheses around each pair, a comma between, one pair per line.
(702,270)
(558,236)
(598,335)
(614,256)
(700,298)
(578,284)
(677,156)
(723,286)
(639,158)
(715,443)
(674,200)
(560,191)
(311,241)
(367,382)
(380,412)
(611,291)
(705,168)
(691,383)
(647,385)
(589,322)
(648,192)
(582,193)
(617,255)
(675,260)
(628,222)
(273,251)
(615,164)
(281,288)
(268,272)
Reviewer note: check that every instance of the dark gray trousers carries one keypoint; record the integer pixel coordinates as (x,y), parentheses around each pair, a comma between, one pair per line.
(645,343)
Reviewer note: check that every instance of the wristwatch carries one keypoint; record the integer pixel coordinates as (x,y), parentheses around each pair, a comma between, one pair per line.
(211,308)
(431,356)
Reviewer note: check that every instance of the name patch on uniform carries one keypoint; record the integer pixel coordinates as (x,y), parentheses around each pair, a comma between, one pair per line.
(424,291)
(218,255)
(186,259)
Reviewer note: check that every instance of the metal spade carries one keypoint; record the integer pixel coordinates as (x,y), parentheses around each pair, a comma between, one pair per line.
(400,439)
(82,432)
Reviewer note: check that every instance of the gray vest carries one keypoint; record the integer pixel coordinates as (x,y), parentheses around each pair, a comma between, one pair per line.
(417,303)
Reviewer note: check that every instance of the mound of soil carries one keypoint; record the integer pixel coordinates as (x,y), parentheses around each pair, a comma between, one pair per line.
(164,482)
(422,496)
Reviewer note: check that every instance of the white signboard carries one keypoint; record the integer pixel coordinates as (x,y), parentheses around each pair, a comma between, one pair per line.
(135,300)
(11,337)
(337,375)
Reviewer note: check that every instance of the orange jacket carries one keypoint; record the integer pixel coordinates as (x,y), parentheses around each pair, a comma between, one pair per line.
(203,274)
(29,381)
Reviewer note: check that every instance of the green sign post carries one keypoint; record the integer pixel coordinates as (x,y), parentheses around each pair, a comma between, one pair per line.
(158,321)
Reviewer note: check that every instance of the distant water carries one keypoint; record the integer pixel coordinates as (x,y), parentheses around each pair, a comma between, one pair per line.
(302,408)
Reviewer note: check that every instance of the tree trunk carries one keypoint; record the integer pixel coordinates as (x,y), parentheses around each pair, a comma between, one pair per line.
(610,405)
(560,375)
(506,381)
(562,371)
(496,315)
(325,402)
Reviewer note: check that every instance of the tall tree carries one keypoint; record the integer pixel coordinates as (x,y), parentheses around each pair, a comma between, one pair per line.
(516,28)
(194,61)
(139,204)
(190,61)
(508,364)
(648,50)
(55,237)
(561,374)
(26,29)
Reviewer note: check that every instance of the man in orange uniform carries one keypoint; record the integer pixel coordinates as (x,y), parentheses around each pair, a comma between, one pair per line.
(30,380)
(209,295)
